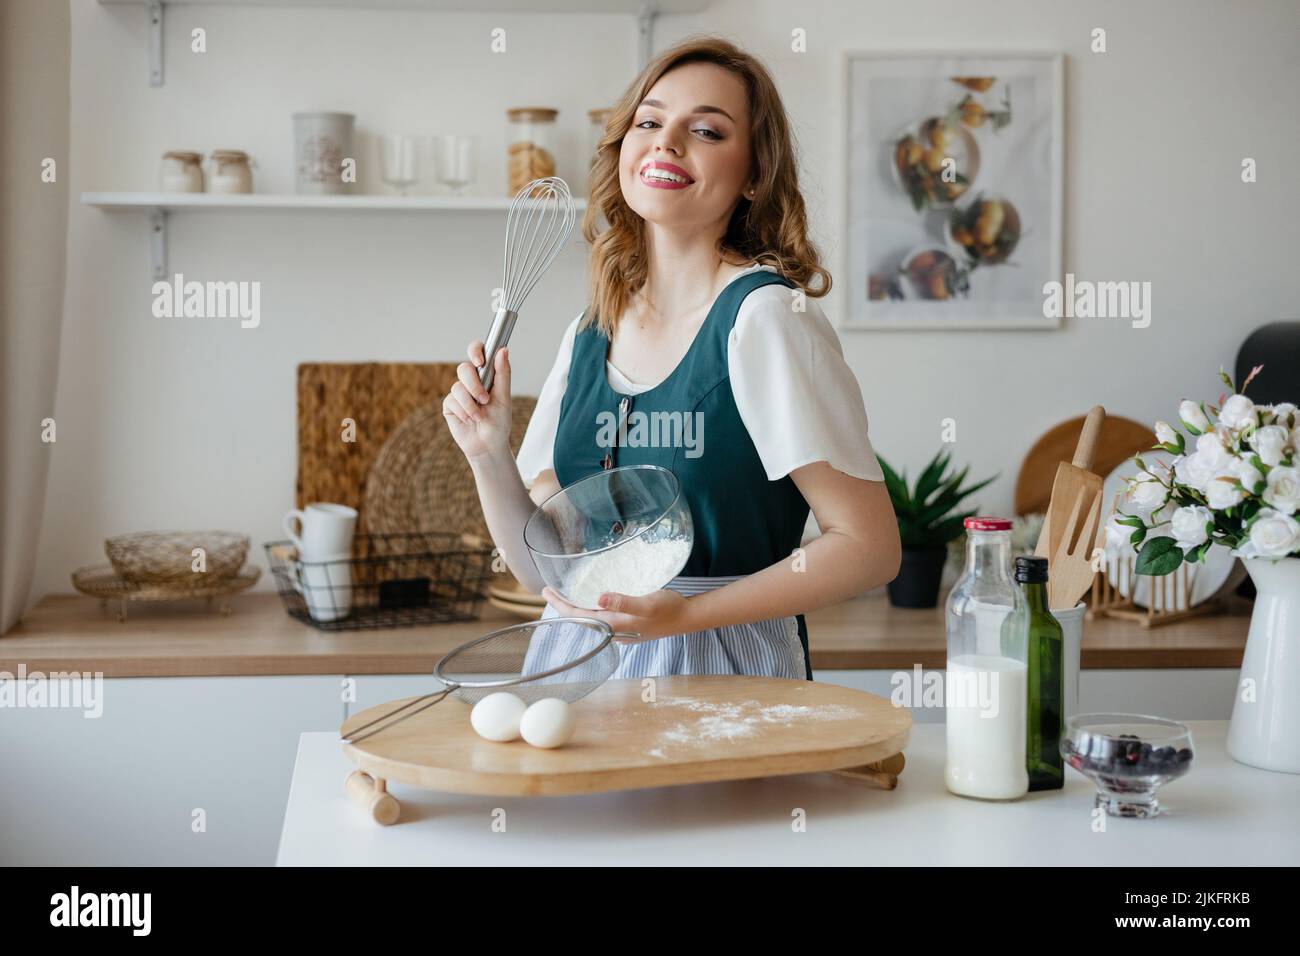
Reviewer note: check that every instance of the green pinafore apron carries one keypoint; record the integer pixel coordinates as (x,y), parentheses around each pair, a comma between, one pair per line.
(743,522)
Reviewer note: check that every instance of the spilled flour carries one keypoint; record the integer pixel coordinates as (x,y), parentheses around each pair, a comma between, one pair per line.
(734,721)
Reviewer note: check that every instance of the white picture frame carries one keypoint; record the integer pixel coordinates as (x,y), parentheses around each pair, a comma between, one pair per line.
(1019,167)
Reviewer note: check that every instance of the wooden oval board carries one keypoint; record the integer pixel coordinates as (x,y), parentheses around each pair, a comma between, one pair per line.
(701,729)
(1120,439)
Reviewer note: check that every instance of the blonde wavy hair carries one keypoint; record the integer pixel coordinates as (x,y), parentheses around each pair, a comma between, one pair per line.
(771,229)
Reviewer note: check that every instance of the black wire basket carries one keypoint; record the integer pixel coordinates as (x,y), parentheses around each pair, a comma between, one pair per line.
(390,580)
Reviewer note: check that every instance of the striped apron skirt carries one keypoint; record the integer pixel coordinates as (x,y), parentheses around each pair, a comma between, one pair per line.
(768,648)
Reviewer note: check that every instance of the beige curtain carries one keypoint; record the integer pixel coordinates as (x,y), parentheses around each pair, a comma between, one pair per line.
(35,54)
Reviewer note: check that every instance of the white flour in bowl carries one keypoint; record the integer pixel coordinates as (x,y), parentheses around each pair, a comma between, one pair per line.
(636,567)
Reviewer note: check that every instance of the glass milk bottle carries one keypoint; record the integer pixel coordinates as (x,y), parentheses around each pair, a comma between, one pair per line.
(986,686)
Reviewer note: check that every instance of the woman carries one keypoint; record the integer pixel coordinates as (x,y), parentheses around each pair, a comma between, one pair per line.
(700,307)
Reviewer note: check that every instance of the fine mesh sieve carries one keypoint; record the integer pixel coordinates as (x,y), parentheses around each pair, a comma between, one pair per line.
(564,657)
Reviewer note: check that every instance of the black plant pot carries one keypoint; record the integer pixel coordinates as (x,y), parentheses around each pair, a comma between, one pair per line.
(919,575)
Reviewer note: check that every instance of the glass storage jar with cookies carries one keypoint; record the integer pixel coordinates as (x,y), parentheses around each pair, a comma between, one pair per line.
(530,150)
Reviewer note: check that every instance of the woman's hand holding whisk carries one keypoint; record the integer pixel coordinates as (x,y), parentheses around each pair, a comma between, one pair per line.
(480,420)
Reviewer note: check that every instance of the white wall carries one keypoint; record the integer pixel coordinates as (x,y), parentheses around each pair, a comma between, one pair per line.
(173,423)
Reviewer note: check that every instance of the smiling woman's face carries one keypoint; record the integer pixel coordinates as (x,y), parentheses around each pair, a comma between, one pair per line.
(686,159)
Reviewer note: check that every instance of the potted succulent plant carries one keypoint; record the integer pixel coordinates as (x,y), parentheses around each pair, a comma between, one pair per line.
(926,523)
(1235,484)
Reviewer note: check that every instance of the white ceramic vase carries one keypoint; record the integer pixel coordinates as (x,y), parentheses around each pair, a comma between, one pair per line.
(1265,729)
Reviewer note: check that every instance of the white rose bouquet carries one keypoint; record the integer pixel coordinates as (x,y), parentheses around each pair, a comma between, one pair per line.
(1238,486)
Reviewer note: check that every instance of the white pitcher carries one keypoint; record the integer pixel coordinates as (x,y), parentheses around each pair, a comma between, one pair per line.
(1265,728)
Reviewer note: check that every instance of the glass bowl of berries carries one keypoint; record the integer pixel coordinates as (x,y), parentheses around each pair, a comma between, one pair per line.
(1129,757)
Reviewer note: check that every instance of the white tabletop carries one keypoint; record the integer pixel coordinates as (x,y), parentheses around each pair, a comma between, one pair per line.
(1222,813)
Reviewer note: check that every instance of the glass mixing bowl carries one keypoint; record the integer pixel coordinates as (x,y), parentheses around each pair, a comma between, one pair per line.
(626,530)
(1129,757)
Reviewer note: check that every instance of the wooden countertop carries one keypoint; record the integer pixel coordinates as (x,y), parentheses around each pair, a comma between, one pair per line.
(72,633)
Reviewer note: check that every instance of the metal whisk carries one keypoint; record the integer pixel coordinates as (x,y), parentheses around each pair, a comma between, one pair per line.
(539,223)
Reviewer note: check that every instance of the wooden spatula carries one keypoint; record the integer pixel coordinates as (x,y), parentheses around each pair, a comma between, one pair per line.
(1069,568)
(1076,496)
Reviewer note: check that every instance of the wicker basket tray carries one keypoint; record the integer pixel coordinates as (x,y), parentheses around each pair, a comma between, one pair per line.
(102,581)
(163,557)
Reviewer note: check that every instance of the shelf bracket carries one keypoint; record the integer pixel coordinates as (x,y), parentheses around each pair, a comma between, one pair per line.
(158,242)
(155,15)
(645,26)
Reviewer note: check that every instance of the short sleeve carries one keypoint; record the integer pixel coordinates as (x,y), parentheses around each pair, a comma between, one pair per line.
(794,391)
(535,453)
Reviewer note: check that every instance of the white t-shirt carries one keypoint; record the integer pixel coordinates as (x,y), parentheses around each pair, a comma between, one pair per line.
(797,396)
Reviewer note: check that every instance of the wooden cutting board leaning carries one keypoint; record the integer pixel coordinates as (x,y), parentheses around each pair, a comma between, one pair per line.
(346,411)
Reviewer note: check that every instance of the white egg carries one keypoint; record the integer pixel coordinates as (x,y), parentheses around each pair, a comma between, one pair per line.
(496,716)
(548,723)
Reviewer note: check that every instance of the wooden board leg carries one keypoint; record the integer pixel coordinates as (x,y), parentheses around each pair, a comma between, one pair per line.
(882,773)
(372,795)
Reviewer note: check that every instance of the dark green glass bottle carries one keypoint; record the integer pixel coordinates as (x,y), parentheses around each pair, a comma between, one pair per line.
(1046,677)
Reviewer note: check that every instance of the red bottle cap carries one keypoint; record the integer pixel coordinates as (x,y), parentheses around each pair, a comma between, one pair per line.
(987,523)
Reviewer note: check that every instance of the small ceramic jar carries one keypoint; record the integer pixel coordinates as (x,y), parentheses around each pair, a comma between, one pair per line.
(231,172)
(181,172)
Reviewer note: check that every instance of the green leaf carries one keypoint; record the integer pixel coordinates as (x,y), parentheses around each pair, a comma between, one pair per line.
(930,478)
(925,513)
(1158,557)
(1131,521)
(948,499)
(896,487)
(1136,537)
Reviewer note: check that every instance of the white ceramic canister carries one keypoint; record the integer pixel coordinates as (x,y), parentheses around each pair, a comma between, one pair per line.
(1071,621)
(322,145)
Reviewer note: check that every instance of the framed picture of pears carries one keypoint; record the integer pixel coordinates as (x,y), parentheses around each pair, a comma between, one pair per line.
(954,171)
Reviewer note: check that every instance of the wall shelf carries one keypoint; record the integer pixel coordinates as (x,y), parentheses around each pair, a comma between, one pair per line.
(168,202)
(645,12)
(158,205)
